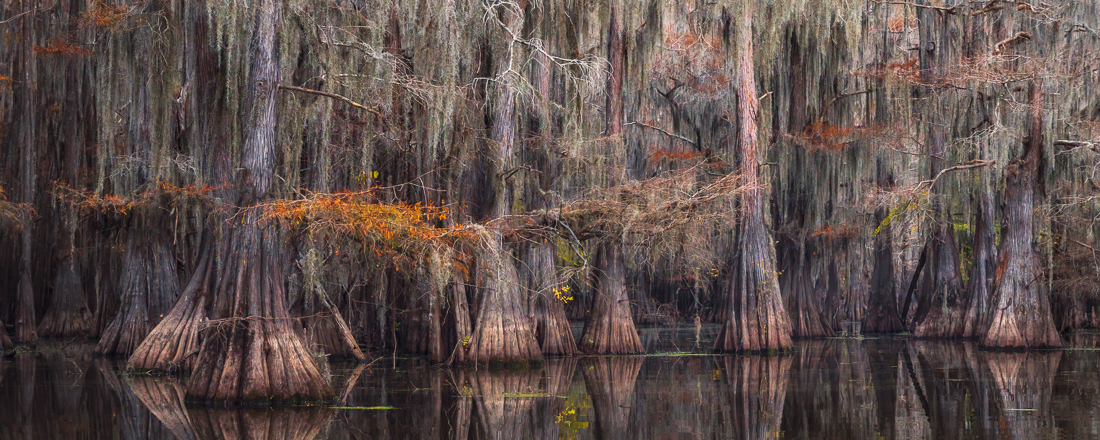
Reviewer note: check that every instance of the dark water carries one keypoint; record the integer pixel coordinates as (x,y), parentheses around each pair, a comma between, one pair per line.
(835,388)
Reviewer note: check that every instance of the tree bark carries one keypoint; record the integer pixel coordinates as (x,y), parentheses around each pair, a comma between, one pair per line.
(610,327)
(149,285)
(755,318)
(548,311)
(982,273)
(882,312)
(1021,315)
(503,332)
(250,350)
(25,329)
(940,306)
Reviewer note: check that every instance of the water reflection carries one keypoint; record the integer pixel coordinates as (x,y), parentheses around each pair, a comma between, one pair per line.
(831,388)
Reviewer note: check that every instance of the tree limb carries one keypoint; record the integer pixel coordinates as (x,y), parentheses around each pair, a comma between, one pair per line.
(928,184)
(1094,146)
(666,133)
(333,96)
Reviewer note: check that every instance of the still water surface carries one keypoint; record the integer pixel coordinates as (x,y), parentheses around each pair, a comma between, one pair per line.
(889,387)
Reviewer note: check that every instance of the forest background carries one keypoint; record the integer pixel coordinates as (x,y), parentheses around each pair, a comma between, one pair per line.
(460,179)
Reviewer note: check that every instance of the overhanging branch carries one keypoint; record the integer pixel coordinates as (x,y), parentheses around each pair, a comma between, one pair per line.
(333,96)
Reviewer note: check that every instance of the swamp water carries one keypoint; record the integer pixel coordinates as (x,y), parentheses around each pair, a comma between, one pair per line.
(870,388)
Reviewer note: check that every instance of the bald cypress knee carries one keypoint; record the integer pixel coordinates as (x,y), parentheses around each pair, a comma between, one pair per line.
(755,317)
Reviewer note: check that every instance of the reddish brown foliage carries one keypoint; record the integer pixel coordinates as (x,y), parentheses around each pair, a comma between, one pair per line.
(828,233)
(660,154)
(60,47)
(905,71)
(104,15)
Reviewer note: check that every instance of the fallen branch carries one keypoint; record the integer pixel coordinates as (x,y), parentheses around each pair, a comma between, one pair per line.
(333,96)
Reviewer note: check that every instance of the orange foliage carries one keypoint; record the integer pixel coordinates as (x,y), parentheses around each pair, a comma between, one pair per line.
(400,232)
(5,83)
(104,15)
(60,48)
(659,154)
(906,71)
(88,201)
(828,233)
(822,136)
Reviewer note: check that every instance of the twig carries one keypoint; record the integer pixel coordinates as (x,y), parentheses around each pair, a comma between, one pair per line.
(333,96)
(666,133)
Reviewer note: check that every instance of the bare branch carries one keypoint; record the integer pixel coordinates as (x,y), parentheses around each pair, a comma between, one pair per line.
(666,133)
(928,184)
(1094,146)
(333,96)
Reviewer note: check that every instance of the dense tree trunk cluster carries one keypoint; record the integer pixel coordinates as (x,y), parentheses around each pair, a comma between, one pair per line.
(479,173)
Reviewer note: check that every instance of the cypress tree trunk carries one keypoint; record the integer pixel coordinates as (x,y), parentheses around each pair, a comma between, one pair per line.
(251,350)
(882,311)
(68,314)
(64,80)
(755,317)
(5,341)
(148,286)
(982,275)
(1021,315)
(610,328)
(25,333)
(541,281)
(940,305)
(503,332)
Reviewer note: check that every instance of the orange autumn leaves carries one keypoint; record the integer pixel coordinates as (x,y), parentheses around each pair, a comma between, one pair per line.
(403,232)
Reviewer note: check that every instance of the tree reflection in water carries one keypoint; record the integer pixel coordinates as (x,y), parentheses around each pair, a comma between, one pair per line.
(890,388)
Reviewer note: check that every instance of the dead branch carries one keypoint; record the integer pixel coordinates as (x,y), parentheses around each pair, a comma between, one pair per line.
(1005,44)
(333,96)
(1083,245)
(1094,146)
(928,184)
(947,9)
(15,17)
(993,5)
(839,97)
(666,133)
